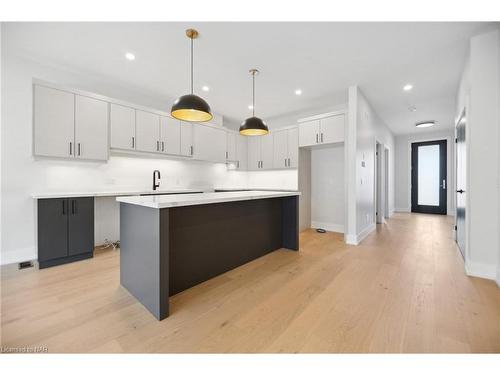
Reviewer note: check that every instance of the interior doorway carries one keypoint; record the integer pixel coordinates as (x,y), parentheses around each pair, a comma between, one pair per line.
(428,177)
(380,184)
(386,178)
(461,171)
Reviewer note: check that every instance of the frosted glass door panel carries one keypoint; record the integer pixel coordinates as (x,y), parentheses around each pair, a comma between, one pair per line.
(428,175)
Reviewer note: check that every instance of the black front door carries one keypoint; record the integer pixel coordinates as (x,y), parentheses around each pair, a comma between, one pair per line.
(428,177)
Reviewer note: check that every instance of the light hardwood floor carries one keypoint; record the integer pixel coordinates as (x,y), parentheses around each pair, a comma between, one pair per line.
(402,290)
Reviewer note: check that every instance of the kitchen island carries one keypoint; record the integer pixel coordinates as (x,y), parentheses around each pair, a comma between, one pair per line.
(170,243)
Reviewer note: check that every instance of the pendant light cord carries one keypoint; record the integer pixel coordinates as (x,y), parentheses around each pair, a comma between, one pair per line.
(191,66)
(253,94)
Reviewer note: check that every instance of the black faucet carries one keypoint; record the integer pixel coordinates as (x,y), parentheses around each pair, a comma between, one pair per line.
(155,183)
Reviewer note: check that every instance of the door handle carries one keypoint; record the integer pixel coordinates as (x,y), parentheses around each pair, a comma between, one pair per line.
(461,191)
(444,184)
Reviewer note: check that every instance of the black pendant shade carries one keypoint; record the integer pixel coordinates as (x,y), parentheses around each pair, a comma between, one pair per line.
(253,125)
(191,107)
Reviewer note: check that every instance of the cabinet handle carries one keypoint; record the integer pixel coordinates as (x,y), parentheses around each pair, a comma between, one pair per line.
(162,146)
(285,162)
(191,148)
(73,207)
(78,148)
(64,206)
(226,155)
(288,161)
(71,148)
(262,163)
(317,137)
(157,145)
(238,164)
(133,142)
(321,137)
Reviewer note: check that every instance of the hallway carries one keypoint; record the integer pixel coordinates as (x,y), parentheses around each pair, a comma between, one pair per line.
(402,290)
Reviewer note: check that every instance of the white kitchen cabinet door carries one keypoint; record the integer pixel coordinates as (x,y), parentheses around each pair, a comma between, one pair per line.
(241,152)
(170,135)
(280,149)
(209,143)
(147,131)
(254,152)
(186,138)
(293,147)
(54,122)
(309,133)
(122,121)
(91,128)
(266,148)
(332,129)
(231,146)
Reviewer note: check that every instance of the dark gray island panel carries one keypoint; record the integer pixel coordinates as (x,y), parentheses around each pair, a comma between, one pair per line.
(167,250)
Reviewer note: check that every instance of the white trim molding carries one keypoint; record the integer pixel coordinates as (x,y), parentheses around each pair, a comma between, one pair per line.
(402,209)
(485,271)
(18,255)
(351,239)
(331,227)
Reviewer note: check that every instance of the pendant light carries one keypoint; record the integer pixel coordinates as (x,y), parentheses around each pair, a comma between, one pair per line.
(253,125)
(191,107)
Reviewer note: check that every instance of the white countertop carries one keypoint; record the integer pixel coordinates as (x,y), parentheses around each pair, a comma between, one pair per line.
(178,200)
(113,193)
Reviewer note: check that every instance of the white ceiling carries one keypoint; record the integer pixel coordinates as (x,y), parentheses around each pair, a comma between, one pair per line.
(322,59)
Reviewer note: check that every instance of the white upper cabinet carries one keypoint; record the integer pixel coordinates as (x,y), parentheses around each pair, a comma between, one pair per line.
(122,121)
(293,148)
(54,122)
(286,148)
(253,153)
(147,131)
(231,146)
(241,152)
(332,129)
(280,149)
(260,152)
(91,128)
(266,150)
(309,133)
(326,130)
(170,135)
(186,138)
(209,143)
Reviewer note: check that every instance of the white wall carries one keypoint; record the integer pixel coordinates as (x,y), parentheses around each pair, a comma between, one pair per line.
(480,89)
(304,188)
(23,176)
(365,128)
(327,188)
(403,167)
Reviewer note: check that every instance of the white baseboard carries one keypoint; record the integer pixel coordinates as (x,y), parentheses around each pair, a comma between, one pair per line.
(16,256)
(498,277)
(331,227)
(351,239)
(402,209)
(485,271)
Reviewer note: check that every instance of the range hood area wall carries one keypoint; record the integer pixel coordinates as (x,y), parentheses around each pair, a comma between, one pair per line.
(23,176)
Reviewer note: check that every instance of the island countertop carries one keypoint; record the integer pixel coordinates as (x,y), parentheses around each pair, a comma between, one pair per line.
(179,200)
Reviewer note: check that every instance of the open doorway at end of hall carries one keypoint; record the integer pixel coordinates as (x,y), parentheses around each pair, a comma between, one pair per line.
(381,185)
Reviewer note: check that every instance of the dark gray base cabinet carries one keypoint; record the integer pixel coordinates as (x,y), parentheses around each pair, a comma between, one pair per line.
(65,230)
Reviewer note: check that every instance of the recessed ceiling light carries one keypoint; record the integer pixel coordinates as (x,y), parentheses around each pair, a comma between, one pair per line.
(407,87)
(130,56)
(298,92)
(250,107)
(205,88)
(425,124)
